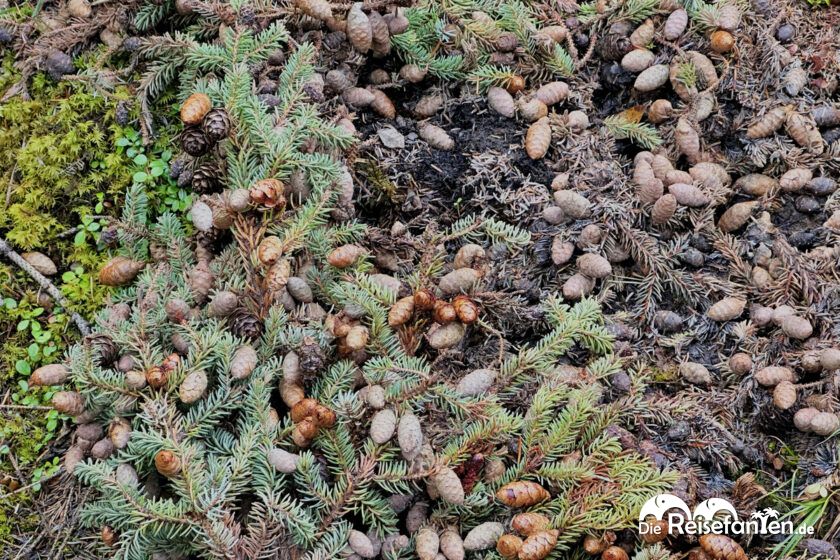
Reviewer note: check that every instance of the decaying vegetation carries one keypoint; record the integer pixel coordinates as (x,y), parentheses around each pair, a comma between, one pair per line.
(424,280)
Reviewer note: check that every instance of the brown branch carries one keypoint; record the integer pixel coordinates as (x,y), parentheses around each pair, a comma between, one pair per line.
(7,251)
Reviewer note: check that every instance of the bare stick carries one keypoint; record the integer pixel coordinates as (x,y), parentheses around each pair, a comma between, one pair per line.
(7,251)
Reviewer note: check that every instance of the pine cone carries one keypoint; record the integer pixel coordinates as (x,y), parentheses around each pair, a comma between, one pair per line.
(311,357)
(185,177)
(177,166)
(210,240)
(613,46)
(194,142)
(247,16)
(216,125)
(207,178)
(109,236)
(158,252)
(226,13)
(268,193)
(122,114)
(245,324)
(104,348)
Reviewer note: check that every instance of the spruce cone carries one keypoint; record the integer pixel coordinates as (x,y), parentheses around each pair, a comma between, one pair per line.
(167,463)
(613,46)
(245,324)
(194,142)
(209,239)
(207,178)
(216,125)
(311,357)
(268,193)
(105,349)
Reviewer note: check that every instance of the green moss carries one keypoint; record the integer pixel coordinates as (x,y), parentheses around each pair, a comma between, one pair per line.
(57,153)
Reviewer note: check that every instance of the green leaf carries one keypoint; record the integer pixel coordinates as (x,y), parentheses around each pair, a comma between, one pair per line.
(23,367)
(23,325)
(79,238)
(141,159)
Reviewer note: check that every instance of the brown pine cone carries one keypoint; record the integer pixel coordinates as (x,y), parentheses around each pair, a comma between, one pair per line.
(208,178)
(216,125)
(268,193)
(311,357)
(194,142)
(105,349)
(245,324)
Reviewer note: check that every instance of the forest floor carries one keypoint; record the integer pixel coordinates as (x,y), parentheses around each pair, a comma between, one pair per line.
(728,433)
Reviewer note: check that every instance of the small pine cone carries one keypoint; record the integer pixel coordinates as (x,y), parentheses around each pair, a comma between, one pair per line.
(122,113)
(613,46)
(247,16)
(268,193)
(184,177)
(311,356)
(167,463)
(200,280)
(245,324)
(216,125)
(449,486)
(104,348)
(73,457)
(345,255)
(158,252)
(223,304)
(109,536)
(722,547)
(509,546)
(53,374)
(119,271)
(193,387)
(194,108)
(194,142)
(177,310)
(243,362)
(208,178)
(209,240)
(270,250)
(530,522)
(119,432)
(109,236)
(522,493)
(539,545)
(69,403)
(466,309)
(304,432)
(156,377)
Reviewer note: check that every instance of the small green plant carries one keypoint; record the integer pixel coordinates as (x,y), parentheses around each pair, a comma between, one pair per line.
(805,511)
(641,134)
(687,74)
(152,171)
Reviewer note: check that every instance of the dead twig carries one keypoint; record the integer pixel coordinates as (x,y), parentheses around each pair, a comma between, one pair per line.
(7,251)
